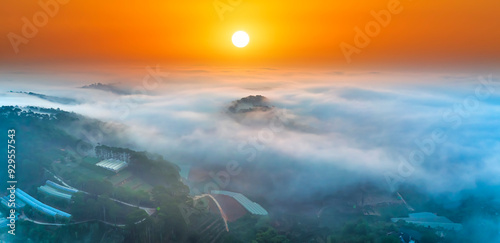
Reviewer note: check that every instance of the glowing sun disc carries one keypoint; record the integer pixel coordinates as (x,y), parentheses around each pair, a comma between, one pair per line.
(241,39)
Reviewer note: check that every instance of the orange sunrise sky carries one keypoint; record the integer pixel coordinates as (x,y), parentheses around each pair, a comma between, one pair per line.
(446,33)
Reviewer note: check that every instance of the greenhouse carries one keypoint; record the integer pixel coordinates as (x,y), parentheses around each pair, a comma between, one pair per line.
(35,204)
(47,190)
(60,188)
(113,165)
(252,207)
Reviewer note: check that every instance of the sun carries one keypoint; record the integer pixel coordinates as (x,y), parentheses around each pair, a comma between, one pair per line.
(241,39)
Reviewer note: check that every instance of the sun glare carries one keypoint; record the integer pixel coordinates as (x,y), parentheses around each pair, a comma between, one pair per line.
(241,39)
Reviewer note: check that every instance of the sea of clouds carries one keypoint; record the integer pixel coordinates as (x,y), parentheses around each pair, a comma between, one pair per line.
(330,129)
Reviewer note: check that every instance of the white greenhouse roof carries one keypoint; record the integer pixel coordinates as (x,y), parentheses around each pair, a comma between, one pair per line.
(112,164)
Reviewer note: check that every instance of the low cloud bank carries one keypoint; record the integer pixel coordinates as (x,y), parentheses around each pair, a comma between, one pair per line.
(333,133)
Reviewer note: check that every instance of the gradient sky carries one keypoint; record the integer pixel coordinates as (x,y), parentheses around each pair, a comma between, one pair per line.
(442,33)
(344,127)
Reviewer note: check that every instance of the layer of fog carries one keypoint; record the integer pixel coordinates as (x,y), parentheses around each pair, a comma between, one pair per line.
(338,129)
